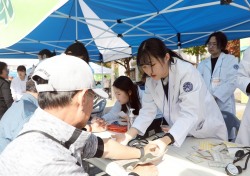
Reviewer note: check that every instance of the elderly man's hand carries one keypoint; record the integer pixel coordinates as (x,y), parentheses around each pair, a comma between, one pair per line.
(151,148)
(161,146)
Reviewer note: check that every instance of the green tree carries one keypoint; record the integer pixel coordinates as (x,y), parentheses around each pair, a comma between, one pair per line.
(196,51)
(126,64)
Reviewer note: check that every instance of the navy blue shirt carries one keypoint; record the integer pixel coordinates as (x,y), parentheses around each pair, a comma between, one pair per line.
(15,117)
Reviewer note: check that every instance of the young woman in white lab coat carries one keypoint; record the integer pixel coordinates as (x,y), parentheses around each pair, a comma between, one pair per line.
(128,96)
(243,82)
(177,89)
(219,72)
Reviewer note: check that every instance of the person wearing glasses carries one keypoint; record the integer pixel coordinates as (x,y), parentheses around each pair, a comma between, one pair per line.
(6,99)
(219,72)
(177,89)
(53,142)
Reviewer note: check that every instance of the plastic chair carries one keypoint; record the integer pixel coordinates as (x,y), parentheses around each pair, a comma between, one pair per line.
(232,123)
(98,107)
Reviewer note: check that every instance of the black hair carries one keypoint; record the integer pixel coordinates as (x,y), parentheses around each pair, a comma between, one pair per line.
(125,84)
(221,40)
(47,52)
(3,65)
(30,86)
(21,68)
(154,47)
(54,99)
(78,50)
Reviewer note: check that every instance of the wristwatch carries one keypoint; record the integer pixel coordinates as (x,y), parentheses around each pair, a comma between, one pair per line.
(171,138)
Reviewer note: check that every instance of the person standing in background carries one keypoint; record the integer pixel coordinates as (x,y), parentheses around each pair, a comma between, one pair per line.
(219,72)
(18,84)
(42,55)
(6,99)
(243,83)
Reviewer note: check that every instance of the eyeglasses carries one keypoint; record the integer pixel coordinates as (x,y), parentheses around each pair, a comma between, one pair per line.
(212,45)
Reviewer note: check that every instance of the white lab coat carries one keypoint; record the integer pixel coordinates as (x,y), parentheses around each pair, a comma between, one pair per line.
(243,79)
(18,88)
(226,70)
(187,112)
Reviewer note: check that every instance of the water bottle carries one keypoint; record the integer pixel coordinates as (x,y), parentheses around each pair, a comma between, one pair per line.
(131,118)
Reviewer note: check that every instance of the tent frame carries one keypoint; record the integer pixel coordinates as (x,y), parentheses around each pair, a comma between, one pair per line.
(149,16)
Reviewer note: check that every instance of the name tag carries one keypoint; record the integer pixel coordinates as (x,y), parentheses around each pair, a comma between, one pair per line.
(215,82)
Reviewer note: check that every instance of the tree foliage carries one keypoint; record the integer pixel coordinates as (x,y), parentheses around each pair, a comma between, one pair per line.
(196,51)
(233,47)
(126,64)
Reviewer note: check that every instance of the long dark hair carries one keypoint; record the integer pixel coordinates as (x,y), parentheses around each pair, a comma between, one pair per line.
(154,47)
(221,40)
(125,84)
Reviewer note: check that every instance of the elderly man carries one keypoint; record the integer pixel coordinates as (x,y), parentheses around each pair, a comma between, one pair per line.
(52,142)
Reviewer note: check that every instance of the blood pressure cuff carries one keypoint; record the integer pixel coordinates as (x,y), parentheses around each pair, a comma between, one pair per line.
(100,148)
(155,127)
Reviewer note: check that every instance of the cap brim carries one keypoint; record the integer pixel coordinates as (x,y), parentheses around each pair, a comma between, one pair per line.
(101,93)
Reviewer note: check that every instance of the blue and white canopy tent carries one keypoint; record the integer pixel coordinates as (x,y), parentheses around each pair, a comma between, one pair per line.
(113,29)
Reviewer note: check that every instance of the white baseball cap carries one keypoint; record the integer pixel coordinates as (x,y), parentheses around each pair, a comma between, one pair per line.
(65,73)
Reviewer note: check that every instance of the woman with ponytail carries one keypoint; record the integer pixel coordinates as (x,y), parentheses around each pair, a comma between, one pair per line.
(177,89)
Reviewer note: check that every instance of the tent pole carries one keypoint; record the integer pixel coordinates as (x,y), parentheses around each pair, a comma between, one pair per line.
(76,19)
(179,42)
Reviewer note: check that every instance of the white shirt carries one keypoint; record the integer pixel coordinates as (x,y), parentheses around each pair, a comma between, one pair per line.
(18,88)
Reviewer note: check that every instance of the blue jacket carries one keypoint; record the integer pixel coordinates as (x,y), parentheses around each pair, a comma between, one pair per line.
(15,117)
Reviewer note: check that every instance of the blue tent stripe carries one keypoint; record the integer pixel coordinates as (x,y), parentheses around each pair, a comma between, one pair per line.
(135,21)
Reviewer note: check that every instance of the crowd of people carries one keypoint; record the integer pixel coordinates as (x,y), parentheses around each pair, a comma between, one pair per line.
(45,112)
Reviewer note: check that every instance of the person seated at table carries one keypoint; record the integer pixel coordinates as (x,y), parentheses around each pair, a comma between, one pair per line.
(176,88)
(128,96)
(52,142)
(20,113)
(243,82)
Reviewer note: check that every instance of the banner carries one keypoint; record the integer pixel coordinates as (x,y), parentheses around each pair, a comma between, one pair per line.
(19,17)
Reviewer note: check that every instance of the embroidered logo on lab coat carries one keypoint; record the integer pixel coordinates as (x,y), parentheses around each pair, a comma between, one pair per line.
(236,66)
(188,86)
